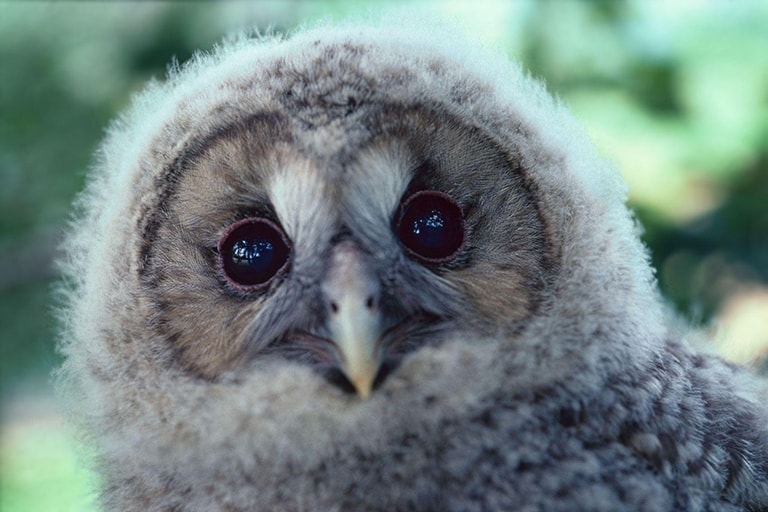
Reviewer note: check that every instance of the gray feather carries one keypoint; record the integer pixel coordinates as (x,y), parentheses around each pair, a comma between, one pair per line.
(542,370)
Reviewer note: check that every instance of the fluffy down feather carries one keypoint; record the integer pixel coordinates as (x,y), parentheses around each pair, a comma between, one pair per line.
(596,401)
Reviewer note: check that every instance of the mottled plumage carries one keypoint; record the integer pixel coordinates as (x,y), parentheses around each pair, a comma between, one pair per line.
(520,360)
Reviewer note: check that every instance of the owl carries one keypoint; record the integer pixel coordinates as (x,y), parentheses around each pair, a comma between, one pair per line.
(367,267)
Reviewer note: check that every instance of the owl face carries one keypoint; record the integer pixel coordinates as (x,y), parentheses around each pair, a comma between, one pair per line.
(286,227)
(344,241)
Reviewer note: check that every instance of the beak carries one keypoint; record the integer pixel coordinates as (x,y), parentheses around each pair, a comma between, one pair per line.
(352,293)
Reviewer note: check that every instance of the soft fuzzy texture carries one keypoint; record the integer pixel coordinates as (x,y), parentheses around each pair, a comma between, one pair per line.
(596,402)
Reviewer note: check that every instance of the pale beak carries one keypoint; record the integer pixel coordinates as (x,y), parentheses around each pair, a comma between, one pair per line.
(352,297)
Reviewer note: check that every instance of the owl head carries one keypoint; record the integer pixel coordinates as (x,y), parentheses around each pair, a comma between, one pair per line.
(338,228)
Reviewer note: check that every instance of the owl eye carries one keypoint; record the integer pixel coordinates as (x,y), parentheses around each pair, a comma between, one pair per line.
(252,252)
(431,226)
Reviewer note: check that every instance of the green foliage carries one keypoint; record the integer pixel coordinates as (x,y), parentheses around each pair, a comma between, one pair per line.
(40,471)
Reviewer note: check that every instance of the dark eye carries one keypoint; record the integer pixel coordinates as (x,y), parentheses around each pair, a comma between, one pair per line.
(252,252)
(431,226)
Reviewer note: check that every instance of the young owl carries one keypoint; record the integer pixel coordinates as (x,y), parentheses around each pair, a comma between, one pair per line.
(364,268)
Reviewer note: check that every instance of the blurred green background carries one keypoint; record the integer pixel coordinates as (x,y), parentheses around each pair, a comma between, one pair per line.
(675,93)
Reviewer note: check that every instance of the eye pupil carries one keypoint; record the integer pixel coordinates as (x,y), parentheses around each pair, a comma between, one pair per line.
(252,252)
(431,226)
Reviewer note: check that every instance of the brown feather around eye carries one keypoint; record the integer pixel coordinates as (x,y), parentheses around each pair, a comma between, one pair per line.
(373,268)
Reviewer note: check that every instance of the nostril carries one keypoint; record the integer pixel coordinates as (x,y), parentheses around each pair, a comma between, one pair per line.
(370,303)
(334,307)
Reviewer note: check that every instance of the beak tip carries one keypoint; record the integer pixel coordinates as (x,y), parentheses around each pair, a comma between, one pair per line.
(363,386)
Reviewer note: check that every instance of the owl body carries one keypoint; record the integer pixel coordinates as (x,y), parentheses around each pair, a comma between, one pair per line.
(361,269)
